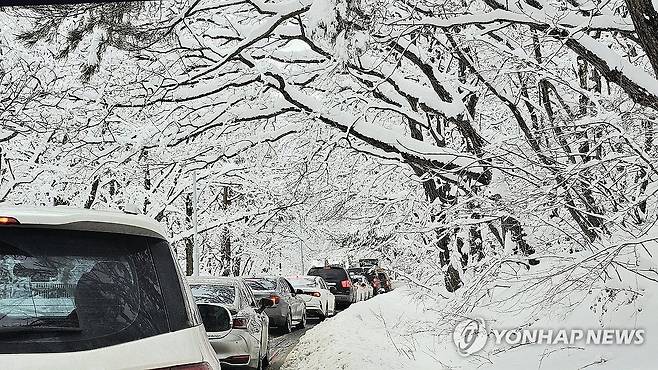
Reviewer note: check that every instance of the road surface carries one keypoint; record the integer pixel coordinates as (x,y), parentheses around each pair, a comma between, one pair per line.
(281,345)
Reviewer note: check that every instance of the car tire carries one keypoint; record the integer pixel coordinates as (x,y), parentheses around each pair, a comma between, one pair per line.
(302,323)
(266,359)
(324,314)
(287,326)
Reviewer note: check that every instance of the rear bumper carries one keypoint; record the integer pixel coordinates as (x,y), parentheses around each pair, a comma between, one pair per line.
(185,346)
(314,305)
(277,315)
(236,344)
(343,298)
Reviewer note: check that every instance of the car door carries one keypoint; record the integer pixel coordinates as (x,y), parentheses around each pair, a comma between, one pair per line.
(324,294)
(286,294)
(246,309)
(295,302)
(331,299)
(259,319)
(264,319)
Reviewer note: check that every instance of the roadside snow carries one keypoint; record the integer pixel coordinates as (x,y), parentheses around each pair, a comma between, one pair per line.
(406,330)
(374,334)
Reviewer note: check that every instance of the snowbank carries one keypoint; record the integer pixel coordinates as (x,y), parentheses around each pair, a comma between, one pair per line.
(374,334)
(403,330)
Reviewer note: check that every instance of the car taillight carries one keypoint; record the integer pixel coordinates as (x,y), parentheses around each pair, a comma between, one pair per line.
(8,221)
(275,298)
(315,294)
(197,366)
(345,283)
(239,323)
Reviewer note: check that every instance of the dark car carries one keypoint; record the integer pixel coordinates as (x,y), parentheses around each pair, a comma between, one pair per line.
(385,280)
(288,308)
(339,282)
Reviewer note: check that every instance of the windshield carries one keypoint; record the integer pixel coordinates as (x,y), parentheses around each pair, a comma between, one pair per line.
(63,290)
(222,294)
(261,283)
(299,283)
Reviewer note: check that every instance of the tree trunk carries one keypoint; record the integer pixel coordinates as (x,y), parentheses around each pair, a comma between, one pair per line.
(189,242)
(513,226)
(645,20)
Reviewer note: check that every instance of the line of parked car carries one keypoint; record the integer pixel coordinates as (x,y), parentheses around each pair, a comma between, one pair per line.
(91,289)
(238,311)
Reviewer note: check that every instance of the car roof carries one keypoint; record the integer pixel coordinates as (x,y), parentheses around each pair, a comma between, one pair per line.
(210,280)
(269,277)
(328,267)
(307,277)
(85,220)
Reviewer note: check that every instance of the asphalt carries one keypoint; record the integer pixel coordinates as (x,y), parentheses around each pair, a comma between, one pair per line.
(282,344)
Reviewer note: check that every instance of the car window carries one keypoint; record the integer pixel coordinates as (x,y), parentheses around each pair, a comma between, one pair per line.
(284,286)
(301,283)
(261,283)
(245,299)
(64,291)
(332,275)
(213,293)
(250,295)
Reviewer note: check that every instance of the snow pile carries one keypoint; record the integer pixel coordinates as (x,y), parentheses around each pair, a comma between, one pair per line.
(405,330)
(376,334)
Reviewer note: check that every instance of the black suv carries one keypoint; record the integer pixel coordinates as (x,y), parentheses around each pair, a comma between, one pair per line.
(339,282)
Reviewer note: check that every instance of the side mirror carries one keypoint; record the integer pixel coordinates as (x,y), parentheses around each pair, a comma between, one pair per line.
(264,303)
(299,291)
(332,289)
(215,318)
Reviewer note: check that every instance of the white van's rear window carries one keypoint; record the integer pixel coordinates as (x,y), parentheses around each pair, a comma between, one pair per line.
(64,290)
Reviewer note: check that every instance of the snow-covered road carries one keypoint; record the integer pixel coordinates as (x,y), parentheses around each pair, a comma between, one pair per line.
(282,344)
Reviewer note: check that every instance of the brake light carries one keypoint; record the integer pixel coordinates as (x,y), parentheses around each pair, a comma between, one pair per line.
(345,283)
(197,366)
(275,298)
(8,221)
(315,294)
(239,323)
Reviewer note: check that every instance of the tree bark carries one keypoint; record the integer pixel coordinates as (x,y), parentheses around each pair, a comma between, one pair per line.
(189,242)
(645,20)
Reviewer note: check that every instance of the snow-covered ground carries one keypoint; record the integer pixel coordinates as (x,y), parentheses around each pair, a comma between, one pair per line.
(373,334)
(404,330)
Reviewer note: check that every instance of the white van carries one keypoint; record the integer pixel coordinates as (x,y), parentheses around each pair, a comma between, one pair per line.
(83,289)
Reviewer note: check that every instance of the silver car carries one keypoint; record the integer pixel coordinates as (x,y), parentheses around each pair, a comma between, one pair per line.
(288,307)
(244,343)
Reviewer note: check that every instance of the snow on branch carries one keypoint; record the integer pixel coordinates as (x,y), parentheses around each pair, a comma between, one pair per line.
(285,11)
(447,104)
(638,84)
(571,20)
(407,149)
